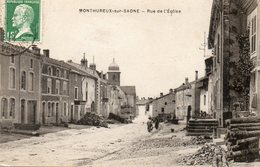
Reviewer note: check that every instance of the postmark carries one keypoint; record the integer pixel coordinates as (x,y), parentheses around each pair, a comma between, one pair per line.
(22,21)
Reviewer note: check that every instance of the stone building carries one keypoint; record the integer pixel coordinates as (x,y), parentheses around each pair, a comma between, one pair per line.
(225,25)
(122,98)
(20,76)
(55,90)
(130,94)
(163,106)
(251,22)
(83,90)
(183,100)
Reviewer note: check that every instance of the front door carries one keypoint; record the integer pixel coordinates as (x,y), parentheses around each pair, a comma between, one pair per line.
(57,113)
(22,111)
(31,105)
(71,112)
(43,112)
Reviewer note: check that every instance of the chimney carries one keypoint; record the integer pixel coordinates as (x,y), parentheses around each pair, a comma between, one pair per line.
(171,90)
(161,94)
(46,52)
(186,80)
(196,75)
(92,66)
(2,34)
(36,50)
(84,62)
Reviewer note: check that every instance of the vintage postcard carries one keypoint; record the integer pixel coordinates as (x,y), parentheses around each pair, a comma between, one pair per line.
(107,83)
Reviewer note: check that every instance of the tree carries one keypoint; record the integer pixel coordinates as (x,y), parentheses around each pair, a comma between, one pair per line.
(242,71)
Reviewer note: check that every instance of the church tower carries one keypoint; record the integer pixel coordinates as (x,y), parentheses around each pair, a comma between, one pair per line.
(114,74)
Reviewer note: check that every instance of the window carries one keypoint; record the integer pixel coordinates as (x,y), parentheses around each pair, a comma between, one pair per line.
(57,73)
(76,93)
(23,80)
(253,34)
(162,110)
(31,63)
(49,85)
(205,98)
(165,103)
(114,77)
(12,78)
(31,81)
(12,59)
(65,74)
(49,71)
(12,108)
(4,104)
(252,22)
(65,87)
(57,87)
(76,77)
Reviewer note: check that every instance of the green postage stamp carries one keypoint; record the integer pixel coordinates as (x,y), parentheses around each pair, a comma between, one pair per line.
(22,20)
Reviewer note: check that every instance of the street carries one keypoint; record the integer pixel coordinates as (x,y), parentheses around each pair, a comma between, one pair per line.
(119,145)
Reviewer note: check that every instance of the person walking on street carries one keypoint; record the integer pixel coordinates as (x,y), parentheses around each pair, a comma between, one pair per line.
(156,122)
(149,124)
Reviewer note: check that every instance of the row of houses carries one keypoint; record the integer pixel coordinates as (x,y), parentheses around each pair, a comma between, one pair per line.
(189,100)
(38,89)
(225,89)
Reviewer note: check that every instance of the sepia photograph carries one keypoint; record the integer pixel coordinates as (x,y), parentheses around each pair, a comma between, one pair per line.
(130,83)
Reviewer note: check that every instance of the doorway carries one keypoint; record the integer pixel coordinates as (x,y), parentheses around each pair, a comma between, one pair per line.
(31,105)
(43,112)
(23,111)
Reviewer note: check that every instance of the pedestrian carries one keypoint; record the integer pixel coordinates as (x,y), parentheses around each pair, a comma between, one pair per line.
(156,122)
(149,124)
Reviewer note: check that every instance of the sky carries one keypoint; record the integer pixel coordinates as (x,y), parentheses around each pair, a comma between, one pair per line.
(155,51)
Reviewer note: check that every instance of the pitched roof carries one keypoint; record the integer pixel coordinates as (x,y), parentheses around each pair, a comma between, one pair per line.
(129,90)
(83,69)
(142,102)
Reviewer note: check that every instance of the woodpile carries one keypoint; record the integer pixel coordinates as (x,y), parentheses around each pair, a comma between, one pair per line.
(208,154)
(242,138)
(201,127)
(92,119)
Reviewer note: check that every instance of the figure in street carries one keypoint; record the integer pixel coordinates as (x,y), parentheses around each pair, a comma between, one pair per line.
(149,124)
(156,122)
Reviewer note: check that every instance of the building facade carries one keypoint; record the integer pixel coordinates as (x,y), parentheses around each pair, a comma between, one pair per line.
(164,106)
(83,93)
(20,97)
(183,100)
(251,22)
(55,82)
(225,26)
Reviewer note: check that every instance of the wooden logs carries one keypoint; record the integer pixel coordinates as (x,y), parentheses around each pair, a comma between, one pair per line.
(242,138)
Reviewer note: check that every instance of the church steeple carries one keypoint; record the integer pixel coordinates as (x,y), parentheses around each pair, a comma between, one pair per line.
(114,73)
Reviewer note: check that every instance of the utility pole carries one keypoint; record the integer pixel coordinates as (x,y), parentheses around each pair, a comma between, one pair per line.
(204,45)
